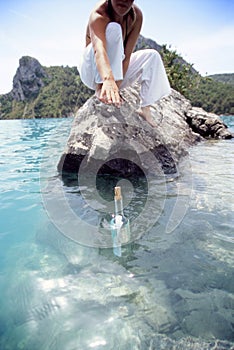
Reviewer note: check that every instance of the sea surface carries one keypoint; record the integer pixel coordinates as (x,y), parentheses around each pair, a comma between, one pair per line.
(170,287)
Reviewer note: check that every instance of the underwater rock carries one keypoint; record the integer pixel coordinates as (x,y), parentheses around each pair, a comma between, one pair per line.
(105,139)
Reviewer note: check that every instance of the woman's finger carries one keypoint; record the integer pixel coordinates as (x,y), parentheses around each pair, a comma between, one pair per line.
(109,96)
(116,98)
(104,96)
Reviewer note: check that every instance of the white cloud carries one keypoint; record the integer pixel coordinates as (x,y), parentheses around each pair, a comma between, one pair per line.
(21,15)
(211,52)
(222,38)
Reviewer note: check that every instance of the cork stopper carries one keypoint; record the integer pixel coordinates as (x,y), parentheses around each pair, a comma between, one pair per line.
(118,195)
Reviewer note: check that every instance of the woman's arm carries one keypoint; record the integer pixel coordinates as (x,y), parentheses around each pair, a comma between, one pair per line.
(97,28)
(109,89)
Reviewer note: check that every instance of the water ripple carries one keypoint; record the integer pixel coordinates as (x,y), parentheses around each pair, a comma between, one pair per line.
(166,291)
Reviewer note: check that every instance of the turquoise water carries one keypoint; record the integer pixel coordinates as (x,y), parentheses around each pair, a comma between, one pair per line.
(172,288)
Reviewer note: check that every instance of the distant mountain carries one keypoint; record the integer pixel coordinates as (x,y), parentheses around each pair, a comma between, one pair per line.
(145,43)
(57,91)
(227,78)
(214,93)
(39,91)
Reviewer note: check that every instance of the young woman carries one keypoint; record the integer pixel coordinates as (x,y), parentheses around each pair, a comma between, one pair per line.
(109,63)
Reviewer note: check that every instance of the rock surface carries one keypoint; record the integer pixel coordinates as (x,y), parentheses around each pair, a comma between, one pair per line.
(28,81)
(116,141)
(207,125)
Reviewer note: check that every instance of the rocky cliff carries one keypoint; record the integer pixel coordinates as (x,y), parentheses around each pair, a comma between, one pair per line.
(28,79)
(107,139)
(43,92)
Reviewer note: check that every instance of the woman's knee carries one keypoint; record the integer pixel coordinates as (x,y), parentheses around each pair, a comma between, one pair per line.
(153,55)
(113,32)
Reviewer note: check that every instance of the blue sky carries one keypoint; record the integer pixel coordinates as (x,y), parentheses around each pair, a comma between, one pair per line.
(202,31)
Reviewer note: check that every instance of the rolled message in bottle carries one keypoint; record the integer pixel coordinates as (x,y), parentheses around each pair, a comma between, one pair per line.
(120,228)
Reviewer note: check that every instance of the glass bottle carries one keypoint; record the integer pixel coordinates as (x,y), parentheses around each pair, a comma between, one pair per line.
(120,228)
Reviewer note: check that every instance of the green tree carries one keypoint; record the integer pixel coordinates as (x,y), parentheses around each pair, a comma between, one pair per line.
(180,74)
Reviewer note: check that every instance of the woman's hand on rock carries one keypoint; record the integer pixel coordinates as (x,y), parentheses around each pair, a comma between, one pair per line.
(110,93)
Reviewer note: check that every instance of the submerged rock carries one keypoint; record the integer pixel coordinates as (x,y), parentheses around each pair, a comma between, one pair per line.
(108,140)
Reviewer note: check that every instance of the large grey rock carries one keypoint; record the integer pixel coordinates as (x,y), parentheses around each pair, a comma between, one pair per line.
(208,125)
(118,141)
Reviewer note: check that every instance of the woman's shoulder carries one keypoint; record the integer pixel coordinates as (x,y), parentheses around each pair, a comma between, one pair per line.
(138,12)
(100,10)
